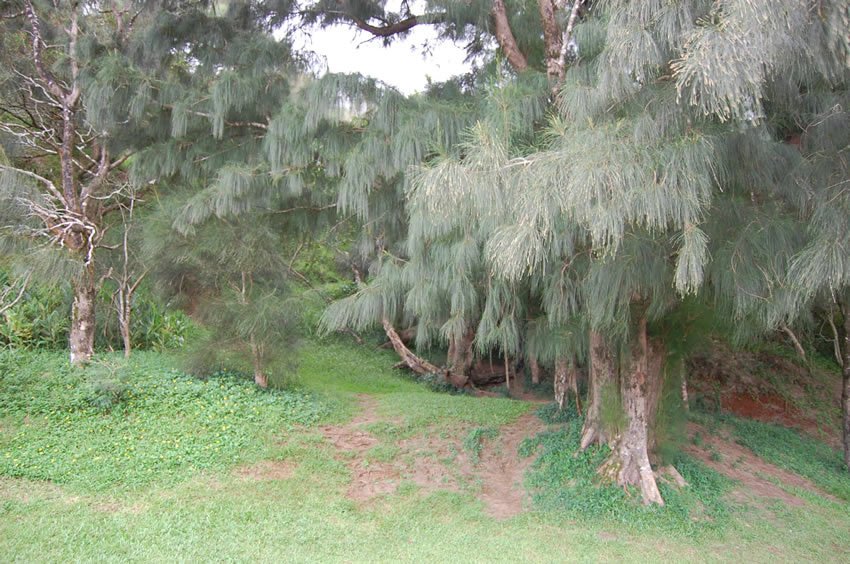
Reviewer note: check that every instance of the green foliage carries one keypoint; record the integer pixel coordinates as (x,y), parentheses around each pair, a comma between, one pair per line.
(41,321)
(552,414)
(564,482)
(163,426)
(789,449)
(474,441)
(108,385)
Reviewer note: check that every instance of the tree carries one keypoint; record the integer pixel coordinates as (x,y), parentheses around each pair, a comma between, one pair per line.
(628,182)
(128,273)
(232,275)
(60,112)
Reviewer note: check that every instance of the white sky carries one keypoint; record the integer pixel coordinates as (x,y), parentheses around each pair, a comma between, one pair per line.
(347,49)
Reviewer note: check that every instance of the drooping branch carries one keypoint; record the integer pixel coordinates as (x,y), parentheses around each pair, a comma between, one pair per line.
(386,28)
(393,28)
(44,181)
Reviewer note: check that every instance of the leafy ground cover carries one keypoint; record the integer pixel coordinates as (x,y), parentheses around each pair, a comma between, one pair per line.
(278,489)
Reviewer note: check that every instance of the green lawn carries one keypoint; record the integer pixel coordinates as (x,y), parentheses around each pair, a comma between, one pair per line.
(153,478)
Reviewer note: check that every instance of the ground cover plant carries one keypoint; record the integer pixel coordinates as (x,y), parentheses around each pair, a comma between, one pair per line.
(280,488)
(135,423)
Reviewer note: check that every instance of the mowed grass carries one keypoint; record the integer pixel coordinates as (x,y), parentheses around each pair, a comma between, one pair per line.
(200,507)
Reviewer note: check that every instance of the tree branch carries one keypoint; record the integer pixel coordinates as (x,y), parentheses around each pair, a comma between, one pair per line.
(505,37)
(566,39)
(10,305)
(47,183)
(37,47)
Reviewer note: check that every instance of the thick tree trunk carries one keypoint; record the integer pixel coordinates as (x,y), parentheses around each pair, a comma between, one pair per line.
(81,337)
(845,390)
(603,378)
(460,359)
(629,462)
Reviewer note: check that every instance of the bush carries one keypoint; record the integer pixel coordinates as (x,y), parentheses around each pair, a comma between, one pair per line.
(42,320)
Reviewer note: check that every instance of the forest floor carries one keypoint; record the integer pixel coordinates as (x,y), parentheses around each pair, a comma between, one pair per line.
(360,463)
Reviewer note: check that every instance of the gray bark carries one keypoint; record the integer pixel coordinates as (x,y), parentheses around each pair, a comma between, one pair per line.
(81,337)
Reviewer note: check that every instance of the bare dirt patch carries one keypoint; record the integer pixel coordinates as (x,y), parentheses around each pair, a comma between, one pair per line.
(435,462)
(744,384)
(266,470)
(757,478)
(369,479)
(502,470)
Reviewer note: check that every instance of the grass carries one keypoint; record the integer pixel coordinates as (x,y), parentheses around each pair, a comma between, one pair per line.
(790,450)
(194,507)
(168,427)
(474,441)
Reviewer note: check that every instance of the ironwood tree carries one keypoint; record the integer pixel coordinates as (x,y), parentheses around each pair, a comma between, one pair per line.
(70,121)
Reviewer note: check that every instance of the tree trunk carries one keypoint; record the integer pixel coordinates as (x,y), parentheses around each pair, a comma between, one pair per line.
(81,337)
(845,389)
(460,359)
(603,377)
(418,365)
(561,383)
(505,37)
(551,38)
(629,462)
(260,377)
(125,332)
(572,382)
(535,370)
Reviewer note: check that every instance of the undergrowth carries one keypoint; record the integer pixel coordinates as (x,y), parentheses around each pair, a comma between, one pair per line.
(151,425)
(564,482)
(551,414)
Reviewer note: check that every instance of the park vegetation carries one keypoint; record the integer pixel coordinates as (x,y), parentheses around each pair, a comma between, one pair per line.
(614,186)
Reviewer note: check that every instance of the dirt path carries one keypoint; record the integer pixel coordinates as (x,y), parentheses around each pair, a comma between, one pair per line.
(436,463)
(502,470)
(757,477)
